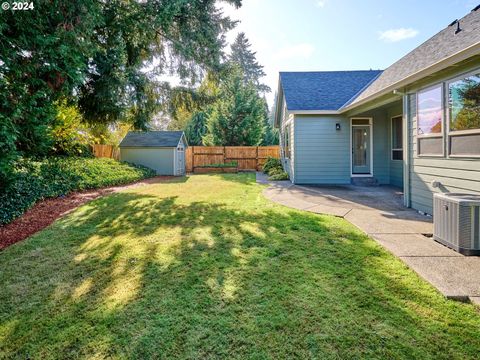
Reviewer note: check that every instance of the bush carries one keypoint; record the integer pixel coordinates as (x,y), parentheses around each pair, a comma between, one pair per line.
(272,165)
(279,176)
(37,180)
(221,165)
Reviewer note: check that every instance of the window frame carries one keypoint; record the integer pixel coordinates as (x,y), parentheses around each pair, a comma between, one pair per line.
(447,83)
(442,106)
(441,134)
(453,133)
(392,149)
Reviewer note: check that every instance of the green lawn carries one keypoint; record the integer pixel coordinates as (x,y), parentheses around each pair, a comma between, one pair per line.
(205,267)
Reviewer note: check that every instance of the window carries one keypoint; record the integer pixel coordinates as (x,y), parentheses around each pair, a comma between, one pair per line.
(286,143)
(429,122)
(464,103)
(397,138)
(429,111)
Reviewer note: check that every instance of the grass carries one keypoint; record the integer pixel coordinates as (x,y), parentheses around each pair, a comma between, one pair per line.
(205,267)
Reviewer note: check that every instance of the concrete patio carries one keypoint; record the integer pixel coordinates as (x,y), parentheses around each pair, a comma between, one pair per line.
(380,213)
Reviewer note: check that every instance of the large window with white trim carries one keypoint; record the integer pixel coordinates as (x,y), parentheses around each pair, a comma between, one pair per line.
(430,121)
(430,111)
(464,103)
(464,115)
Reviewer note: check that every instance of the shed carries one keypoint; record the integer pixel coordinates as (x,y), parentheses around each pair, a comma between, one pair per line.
(163,151)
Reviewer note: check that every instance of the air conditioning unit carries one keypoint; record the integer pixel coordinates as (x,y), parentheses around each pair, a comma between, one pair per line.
(456,222)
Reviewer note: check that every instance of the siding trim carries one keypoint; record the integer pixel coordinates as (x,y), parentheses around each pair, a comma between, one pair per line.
(406,149)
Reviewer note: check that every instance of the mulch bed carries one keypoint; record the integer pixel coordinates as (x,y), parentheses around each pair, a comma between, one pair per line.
(47,211)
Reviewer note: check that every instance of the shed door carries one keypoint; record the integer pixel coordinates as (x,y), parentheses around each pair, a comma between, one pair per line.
(180,160)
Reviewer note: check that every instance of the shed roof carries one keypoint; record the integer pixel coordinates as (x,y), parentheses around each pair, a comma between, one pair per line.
(151,139)
(323,90)
(444,44)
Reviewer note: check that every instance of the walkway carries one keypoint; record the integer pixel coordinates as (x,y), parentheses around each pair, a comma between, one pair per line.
(380,213)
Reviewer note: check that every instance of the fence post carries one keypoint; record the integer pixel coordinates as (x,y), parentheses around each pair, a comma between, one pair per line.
(193,158)
(256,158)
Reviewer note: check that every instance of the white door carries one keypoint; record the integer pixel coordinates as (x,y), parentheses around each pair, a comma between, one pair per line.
(180,160)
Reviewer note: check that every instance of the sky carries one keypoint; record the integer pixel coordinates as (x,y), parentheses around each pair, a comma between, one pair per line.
(326,35)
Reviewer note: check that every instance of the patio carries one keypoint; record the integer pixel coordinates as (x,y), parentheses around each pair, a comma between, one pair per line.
(380,213)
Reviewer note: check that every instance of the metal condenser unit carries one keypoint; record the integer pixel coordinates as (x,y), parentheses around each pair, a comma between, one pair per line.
(456,222)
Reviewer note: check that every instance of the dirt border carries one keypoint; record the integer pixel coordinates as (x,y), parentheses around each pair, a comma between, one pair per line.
(45,212)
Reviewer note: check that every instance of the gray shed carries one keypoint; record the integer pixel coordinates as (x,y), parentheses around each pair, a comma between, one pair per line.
(163,151)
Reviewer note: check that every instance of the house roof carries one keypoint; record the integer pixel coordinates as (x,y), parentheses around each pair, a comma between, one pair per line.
(151,139)
(323,90)
(439,47)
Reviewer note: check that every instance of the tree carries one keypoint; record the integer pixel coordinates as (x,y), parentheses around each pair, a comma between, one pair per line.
(70,135)
(196,128)
(270,136)
(245,58)
(468,114)
(237,118)
(184,102)
(95,52)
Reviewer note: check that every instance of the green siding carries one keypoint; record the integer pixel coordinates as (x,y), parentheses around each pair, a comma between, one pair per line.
(288,164)
(381,147)
(159,159)
(453,174)
(322,154)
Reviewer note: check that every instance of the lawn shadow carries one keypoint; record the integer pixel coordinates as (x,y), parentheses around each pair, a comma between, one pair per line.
(146,277)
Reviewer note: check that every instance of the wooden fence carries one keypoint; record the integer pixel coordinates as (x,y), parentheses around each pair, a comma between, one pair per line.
(108,151)
(247,157)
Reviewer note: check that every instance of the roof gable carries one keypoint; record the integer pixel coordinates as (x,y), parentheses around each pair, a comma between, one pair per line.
(323,90)
(151,139)
(443,45)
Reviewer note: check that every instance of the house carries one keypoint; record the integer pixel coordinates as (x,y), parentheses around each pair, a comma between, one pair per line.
(415,125)
(163,151)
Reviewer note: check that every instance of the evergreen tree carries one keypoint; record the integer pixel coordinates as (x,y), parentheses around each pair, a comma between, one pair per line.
(270,136)
(185,102)
(96,52)
(237,118)
(196,128)
(245,58)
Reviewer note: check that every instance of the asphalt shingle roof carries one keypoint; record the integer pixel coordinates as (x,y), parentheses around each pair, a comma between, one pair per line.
(151,139)
(323,90)
(442,45)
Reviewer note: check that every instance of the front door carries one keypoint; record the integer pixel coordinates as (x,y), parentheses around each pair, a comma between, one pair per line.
(361,150)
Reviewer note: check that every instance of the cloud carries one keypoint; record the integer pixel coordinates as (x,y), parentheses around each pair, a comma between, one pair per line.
(321,3)
(302,50)
(394,35)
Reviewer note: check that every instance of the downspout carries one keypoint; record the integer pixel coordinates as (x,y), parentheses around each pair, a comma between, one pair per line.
(406,145)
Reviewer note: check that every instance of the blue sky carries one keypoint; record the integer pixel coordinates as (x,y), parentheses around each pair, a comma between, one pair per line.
(315,35)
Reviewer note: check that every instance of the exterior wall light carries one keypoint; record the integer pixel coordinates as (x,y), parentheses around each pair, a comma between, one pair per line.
(338,127)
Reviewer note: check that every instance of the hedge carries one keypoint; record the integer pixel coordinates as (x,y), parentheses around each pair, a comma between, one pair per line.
(53,177)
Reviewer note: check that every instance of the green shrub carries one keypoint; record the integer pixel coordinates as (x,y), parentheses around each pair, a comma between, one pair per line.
(37,180)
(221,165)
(271,163)
(275,170)
(278,176)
